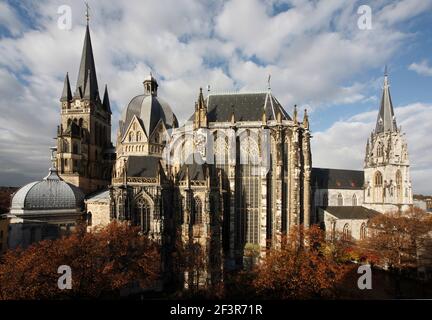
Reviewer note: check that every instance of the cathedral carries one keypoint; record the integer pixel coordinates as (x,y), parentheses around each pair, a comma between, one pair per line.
(234,178)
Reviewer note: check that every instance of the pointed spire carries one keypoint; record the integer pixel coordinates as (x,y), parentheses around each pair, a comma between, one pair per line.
(306,120)
(67,93)
(87,70)
(201,101)
(106,101)
(295,114)
(88,88)
(386,120)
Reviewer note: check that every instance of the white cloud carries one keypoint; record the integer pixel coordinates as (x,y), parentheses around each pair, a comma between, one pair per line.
(343,144)
(422,68)
(314,52)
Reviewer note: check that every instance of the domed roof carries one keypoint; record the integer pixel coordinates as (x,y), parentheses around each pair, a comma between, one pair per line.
(149,108)
(49,194)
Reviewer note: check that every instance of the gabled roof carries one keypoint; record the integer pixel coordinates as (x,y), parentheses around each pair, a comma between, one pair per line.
(337,179)
(353,213)
(246,107)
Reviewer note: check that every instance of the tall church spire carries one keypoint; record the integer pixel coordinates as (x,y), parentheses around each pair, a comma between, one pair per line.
(386,120)
(67,93)
(87,70)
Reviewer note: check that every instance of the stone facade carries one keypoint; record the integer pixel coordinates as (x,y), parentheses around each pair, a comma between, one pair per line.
(84,156)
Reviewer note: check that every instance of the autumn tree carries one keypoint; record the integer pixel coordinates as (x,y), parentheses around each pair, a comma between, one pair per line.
(397,239)
(303,267)
(102,262)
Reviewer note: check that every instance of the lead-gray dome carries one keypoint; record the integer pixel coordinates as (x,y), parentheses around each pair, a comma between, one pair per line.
(149,108)
(49,194)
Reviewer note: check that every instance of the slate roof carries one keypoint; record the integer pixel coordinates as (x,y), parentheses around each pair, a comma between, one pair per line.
(143,166)
(196,169)
(246,107)
(353,213)
(87,80)
(149,109)
(337,179)
(386,120)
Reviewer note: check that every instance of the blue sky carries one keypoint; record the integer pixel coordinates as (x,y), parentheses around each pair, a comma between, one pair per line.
(317,56)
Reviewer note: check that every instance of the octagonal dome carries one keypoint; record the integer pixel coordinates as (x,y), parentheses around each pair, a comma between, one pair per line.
(149,108)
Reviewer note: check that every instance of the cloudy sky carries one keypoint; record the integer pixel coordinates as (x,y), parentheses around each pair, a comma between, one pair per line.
(317,56)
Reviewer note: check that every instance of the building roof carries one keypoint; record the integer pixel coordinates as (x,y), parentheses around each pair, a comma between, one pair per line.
(49,194)
(337,179)
(245,106)
(351,213)
(143,166)
(195,169)
(103,195)
(149,109)
(386,120)
(87,80)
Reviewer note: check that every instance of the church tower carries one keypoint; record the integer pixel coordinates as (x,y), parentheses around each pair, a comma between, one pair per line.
(84,134)
(387,175)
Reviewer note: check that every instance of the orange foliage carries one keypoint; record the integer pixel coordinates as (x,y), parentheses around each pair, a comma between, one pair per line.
(395,238)
(304,267)
(102,263)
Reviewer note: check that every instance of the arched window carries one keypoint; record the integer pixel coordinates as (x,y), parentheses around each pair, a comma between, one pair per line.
(130,136)
(325,200)
(380,150)
(346,235)
(378,179)
(363,231)
(75,148)
(340,200)
(142,214)
(399,184)
(354,200)
(138,136)
(81,122)
(89,219)
(197,211)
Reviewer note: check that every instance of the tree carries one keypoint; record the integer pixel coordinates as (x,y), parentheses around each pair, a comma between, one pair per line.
(397,238)
(303,267)
(102,262)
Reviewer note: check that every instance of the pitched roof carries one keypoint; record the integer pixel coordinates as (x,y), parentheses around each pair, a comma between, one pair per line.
(337,179)
(246,107)
(354,213)
(143,166)
(386,120)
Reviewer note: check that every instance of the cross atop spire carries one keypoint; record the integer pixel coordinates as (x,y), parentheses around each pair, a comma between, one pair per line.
(269,82)
(87,14)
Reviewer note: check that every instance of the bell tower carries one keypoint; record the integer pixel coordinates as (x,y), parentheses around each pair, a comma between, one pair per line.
(387,175)
(84,134)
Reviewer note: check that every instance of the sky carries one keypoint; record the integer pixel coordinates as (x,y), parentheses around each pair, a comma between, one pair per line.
(316,53)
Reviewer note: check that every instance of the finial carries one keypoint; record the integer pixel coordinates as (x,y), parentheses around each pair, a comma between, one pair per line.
(268,82)
(306,119)
(385,71)
(87,14)
(295,113)
(208,88)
